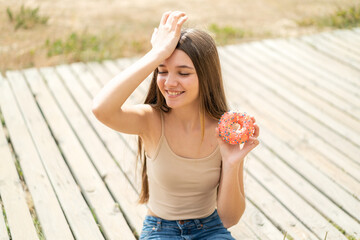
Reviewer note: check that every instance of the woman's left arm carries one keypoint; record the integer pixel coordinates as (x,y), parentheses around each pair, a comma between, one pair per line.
(231,195)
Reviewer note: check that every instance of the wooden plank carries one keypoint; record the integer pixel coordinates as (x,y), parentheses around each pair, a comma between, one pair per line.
(3,229)
(337,194)
(140,91)
(11,192)
(273,65)
(112,222)
(116,148)
(273,210)
(341,42)
(346,76)
(307,191)
(356,30)
(347,36)
(320,154)
(339,142)
(333,43)
(53,225)
(333,51)
(78,214)
(260,226)
(294,202)
(305,141)
(301,186)
(84,76)
(290,76)
(308,103)
(314,78)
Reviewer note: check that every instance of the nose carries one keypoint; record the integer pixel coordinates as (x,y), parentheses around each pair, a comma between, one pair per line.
(171,81)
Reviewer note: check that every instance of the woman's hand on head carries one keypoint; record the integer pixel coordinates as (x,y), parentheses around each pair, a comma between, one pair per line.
(233,154)
(165,38)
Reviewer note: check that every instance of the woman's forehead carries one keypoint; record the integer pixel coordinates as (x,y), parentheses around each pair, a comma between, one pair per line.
(178,59)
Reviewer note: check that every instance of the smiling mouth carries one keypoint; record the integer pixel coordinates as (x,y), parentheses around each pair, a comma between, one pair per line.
(174,93)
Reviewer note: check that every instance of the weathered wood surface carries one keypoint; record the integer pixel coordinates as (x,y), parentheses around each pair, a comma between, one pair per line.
(64,175)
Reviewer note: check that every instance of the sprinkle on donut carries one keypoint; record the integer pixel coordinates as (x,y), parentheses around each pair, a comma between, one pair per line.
(235,127)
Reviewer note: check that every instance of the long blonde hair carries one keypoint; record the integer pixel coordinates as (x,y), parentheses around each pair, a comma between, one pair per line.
(201,49)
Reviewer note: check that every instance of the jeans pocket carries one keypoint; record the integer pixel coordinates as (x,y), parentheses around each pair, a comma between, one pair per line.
(147,230)
(213,223)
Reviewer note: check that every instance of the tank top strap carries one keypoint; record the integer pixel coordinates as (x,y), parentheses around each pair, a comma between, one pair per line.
(162,123)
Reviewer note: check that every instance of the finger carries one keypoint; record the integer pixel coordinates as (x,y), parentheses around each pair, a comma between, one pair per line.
(218,137)
(165,17)
(180,23)
(253,119)
(257,130)
(175,18)
(252,142)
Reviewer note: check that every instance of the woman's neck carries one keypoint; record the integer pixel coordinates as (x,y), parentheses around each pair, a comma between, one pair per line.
(188,119)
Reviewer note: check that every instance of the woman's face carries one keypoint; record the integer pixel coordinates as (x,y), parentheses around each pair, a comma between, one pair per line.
(178,81)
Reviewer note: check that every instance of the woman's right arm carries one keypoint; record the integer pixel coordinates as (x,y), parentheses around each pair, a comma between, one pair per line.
(108,103)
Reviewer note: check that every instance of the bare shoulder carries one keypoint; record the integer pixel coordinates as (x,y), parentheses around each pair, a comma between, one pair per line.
(135,119)
(152,134)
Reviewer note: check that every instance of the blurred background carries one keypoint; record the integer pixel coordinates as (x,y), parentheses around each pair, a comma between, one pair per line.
(50,32)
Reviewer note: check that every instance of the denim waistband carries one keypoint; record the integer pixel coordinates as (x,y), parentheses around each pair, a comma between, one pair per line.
(182,223)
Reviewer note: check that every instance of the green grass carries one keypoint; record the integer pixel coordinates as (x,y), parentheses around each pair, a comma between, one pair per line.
(89,47)
(2,119)
(227,34)
(342,18)
(79,45)
(26,18)
(5,217)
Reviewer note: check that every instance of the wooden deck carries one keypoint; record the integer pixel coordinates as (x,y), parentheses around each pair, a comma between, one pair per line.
(63,175)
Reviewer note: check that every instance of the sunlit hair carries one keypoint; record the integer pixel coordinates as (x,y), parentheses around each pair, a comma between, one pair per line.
(201,49)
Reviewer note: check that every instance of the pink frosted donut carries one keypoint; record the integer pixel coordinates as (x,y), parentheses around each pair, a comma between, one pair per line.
(235,127)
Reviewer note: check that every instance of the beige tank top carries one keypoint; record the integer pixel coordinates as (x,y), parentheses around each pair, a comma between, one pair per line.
(182,188)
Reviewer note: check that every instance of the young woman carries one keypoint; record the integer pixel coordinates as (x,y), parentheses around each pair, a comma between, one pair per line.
(192,181)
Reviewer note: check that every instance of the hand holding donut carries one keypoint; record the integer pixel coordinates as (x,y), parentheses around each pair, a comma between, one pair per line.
(234,129)
(165,38)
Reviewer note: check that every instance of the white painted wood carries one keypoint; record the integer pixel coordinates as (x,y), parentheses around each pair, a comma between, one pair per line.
(338,175)
(274,66)
(296,160)
(273,209)
(265,112)
(342,42)
(307,191)
(139,91)
(316,79)
(300,208)
(347,36)
(73,204)
(308,103)
(257,222)
(3,230)
(11,192)
(93,188)
(114,177)
(334,43)
(333,51)
(82,75)
(53,225)
(260,81)
(341,71)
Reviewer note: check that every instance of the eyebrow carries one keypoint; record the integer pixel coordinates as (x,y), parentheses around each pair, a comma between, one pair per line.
(180,66)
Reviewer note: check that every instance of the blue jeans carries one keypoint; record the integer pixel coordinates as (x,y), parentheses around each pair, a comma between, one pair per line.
(207,228)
